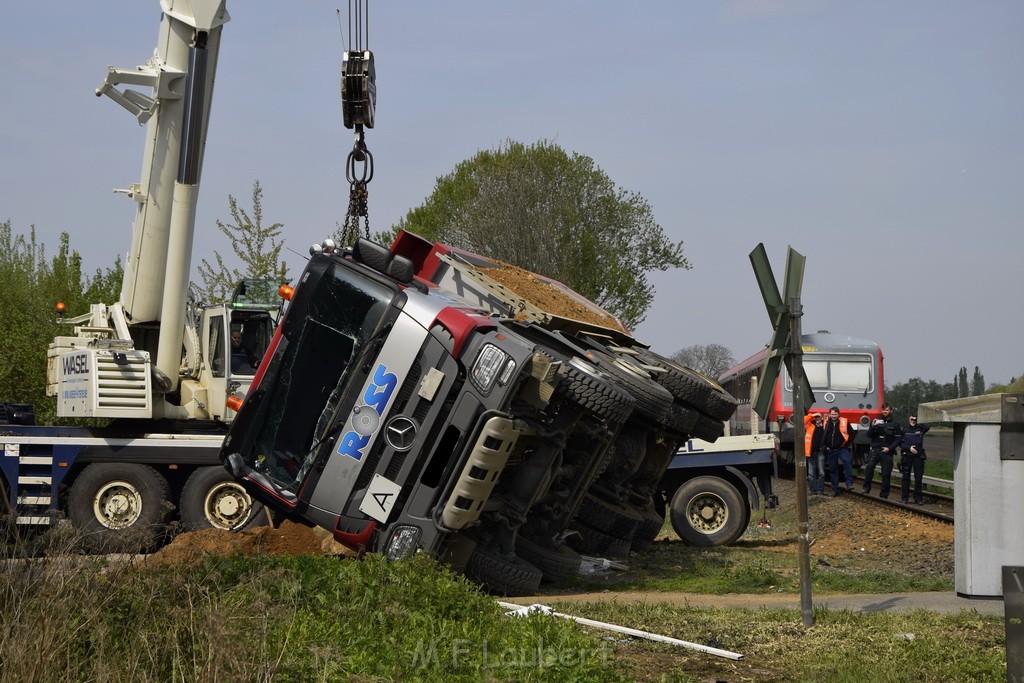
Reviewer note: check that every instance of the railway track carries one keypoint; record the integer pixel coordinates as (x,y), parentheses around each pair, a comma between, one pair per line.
(935,506)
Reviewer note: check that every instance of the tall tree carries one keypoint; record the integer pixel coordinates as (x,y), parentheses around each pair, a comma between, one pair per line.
(539,208)
(709,359)
(33,284)
(256,245)
(963,389)
(977,383)
(905,397)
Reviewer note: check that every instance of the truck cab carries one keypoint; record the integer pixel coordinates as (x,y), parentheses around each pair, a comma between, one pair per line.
(386,410)
(234,336)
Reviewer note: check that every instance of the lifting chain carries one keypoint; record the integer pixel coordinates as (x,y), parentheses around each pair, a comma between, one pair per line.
(358,103)
(358,172)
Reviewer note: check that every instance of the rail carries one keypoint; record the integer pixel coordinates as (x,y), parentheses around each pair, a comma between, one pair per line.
(936,506)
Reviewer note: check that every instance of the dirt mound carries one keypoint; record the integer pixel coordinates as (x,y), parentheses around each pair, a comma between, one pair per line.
(288,539)
(549,297)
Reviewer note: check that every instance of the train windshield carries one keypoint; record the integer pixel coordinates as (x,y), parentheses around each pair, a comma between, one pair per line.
(837,373)
(330,323)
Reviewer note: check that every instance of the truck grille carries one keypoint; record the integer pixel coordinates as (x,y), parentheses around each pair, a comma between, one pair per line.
(121,386)
(373,457)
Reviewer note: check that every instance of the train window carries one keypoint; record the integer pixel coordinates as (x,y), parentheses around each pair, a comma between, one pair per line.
(843,373)
(816,372)
(854,376)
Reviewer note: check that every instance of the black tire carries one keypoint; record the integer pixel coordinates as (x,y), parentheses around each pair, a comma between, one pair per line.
(690,386)
(212,499)
(708,511)
(119,507)
(590,541)
(652,400)
(626,456)
(502,574)
(613,519)
(8,527)
(587,387)
(650,526)
(696,425)
(556,564)
(744,523)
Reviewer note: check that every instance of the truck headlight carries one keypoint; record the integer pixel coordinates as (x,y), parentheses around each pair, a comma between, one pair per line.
(488,365)
(405,540)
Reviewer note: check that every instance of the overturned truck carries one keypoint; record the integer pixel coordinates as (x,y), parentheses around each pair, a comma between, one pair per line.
(419,398)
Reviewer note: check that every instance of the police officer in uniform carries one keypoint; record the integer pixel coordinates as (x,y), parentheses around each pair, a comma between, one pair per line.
(885,435)
(912,458)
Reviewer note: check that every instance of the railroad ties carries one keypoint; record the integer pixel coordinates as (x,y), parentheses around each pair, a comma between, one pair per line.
(936,505)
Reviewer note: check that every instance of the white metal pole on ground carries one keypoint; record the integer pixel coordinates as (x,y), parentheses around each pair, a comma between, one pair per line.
(523,610)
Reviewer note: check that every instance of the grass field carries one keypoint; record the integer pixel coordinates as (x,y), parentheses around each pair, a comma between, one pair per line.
(316,618)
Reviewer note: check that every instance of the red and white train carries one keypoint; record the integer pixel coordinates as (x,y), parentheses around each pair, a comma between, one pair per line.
(843,371)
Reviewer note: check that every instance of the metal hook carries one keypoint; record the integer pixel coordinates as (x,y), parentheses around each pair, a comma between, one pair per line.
(350,168)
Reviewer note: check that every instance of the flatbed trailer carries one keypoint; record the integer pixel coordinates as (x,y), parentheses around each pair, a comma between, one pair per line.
(710,488)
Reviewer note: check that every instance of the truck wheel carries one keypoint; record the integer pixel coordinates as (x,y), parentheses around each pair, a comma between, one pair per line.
(502,574)
(119,507)
(7,516)
(690,386)
(212,499)
(744,523)
(613,519)
(556,564)
(589,388)
(652,399)
(696,425)
(589,541)
(650,526)
(708,511)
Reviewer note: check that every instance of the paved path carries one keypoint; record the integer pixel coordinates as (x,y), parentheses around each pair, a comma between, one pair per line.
(939,601)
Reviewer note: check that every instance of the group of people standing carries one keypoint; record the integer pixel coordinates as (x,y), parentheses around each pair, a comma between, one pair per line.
(827,444)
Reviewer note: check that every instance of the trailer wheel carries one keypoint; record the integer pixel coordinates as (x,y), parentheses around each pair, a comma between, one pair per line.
(119,507)
(502,574)
(212,499)
(556,564)
(708,511)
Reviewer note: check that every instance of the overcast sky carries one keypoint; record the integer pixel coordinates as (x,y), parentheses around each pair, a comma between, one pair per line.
(882,140)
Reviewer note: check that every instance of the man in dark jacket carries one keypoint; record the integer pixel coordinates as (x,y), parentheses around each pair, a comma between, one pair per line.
(243,360)
(885,435)
(835,444)
(912,458)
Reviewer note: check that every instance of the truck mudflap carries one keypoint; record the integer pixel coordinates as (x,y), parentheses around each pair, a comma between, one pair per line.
(485,462)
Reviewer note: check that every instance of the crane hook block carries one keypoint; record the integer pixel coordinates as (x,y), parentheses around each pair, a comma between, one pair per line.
(358,88)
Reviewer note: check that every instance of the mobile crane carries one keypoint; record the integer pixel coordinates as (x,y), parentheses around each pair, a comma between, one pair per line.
(156,365)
